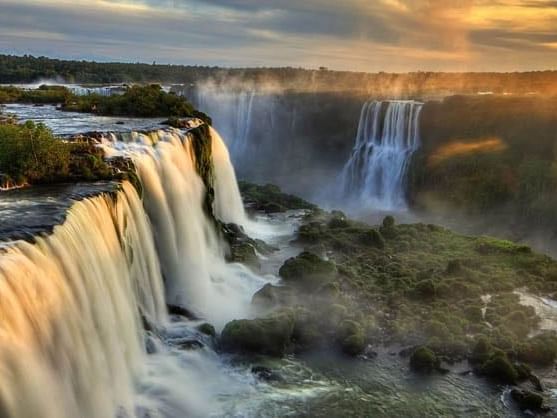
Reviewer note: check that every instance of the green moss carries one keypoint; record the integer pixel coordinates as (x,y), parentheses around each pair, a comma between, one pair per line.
(307,270)
(207,329)
(270,335)
(424,360)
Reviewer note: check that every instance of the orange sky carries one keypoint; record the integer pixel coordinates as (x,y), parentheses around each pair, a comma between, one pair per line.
(390,35)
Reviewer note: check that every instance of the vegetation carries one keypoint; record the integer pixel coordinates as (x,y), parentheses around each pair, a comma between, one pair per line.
(444,296)
(25,69)
(43,95)
(489,155)
(29,153)
(139,101)
(136,101)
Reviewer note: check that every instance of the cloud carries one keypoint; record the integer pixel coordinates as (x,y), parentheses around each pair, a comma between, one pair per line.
(392,35)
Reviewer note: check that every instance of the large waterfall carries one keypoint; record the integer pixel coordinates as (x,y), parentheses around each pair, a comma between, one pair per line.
(375,174)
(74,304)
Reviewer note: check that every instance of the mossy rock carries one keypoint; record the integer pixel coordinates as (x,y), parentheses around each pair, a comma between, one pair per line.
(423,360)
(244,253)
(388,228)
(351,337)
(270,296)
(207,329)
(373,238)
(499,368)
(527,400)
(271,335)
(307,270)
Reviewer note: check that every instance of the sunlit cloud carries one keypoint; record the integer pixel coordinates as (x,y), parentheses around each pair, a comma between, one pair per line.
(363,35)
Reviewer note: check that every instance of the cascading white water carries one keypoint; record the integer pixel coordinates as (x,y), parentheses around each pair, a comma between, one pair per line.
(232,114)
(191,253)
(71,305)
(388,136)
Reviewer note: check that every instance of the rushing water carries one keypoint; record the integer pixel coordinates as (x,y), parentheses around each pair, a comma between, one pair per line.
(388,135)
(74,305)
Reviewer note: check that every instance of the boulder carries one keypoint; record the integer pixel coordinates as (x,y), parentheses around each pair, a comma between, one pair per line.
(207,329)
(423,360)
(266,374)
(307,270)
(270,296)
(270,335)
(527,400)
(351,337)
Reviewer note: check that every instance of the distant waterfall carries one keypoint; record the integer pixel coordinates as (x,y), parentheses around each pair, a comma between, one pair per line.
(388,135)
(73,305)
(232,114)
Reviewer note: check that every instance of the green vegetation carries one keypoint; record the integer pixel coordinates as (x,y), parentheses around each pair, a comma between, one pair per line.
(137,101)
(25,69)
(424,360)
(445,296)
(43,95)
(29,153)
(489,155)
(307,270)
(270,199)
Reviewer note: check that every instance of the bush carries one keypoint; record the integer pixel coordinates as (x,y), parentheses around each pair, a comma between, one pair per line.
(31,152)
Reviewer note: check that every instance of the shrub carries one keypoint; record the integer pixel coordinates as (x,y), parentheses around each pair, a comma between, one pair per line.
(31,152)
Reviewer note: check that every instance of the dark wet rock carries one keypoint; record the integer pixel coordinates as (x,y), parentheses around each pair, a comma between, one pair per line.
(243,249)
(271,335)
(266,374)
(307,270)
(423,360)
(528,400)
(207,329)
(150,344)
(181,311)
(189,344)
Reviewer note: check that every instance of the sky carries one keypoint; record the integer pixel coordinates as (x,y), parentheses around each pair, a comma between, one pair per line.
(356,35)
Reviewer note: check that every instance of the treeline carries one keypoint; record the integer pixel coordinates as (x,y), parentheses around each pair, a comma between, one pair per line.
(27,69)
(483,155)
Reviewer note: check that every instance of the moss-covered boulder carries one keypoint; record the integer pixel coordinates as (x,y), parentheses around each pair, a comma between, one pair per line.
(307,270)
(388,228)
(423,360)
(527,400)
(373,238)
(499,368)
(207,329)
(351,337)
(270,296)
(270,335)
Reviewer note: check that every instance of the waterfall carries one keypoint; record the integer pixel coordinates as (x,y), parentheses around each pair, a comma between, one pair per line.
(74,303)
(232,114)
(375,174)
(71,334)
(173,199)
